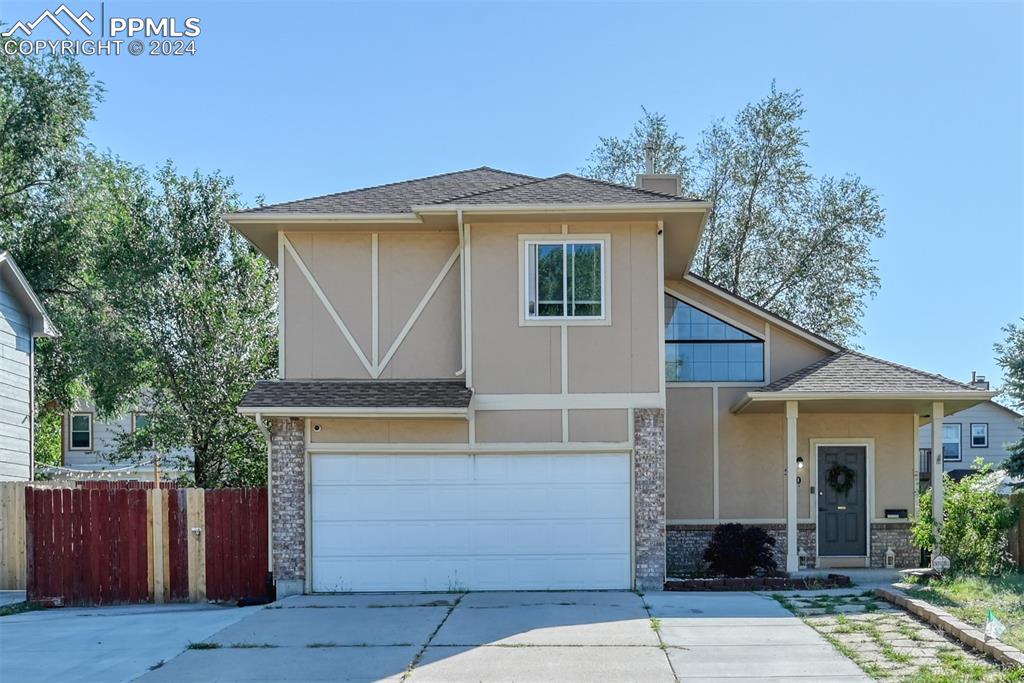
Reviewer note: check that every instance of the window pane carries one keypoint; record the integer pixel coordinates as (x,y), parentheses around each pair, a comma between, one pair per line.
(979,435)
(951,441)
(683,322)
(81,431)
(80,423)
(584,263)
(142,421)
(714,362)
(550,294)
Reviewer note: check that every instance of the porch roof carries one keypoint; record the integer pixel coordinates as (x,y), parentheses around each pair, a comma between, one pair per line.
(850,381)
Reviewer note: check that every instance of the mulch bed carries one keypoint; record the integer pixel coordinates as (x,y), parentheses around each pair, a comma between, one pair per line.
(754,583)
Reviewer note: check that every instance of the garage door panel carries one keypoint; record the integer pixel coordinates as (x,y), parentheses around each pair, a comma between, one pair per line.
(435,522)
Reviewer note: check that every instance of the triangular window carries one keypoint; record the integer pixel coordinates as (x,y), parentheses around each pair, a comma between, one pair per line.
(702,348)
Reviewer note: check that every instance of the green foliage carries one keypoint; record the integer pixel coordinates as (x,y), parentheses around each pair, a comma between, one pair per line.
(200,303)
(797,244)
(977,517)
(1010,356)
(47,448)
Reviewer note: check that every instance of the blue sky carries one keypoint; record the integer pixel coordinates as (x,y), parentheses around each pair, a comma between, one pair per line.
(922,100)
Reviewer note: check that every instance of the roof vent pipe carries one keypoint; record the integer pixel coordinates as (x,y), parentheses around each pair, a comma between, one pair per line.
(979,381)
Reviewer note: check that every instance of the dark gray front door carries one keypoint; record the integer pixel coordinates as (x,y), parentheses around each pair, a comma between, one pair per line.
(842,508)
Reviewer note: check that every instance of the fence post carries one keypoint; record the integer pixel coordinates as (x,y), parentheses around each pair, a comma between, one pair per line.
(156,543)
(195,505)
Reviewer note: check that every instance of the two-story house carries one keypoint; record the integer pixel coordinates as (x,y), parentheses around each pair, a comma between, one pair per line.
(495,381)
(22,320)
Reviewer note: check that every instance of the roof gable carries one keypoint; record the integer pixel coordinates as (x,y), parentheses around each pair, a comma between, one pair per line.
(42,326)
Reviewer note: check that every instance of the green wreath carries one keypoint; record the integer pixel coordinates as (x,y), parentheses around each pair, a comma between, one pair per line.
(840,478)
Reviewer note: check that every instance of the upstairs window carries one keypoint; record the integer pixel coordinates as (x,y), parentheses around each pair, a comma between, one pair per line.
(951,441)
(565,279)
(979,435)
(702,348)
(81,431)
(140,423)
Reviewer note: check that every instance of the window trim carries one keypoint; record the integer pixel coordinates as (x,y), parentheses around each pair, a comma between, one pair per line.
(960,442)
(971,434)
(525,242)
(71,430)
(760,336)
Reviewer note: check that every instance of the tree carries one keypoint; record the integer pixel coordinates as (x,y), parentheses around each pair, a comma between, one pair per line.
(200,302)
(1010,356)
(797,244)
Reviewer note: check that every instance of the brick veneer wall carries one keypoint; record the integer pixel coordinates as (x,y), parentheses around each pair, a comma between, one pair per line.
(649,497)
(288,476)
(686,544)
(895,535)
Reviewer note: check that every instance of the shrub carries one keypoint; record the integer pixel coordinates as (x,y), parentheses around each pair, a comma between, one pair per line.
(736,550)
(973,534)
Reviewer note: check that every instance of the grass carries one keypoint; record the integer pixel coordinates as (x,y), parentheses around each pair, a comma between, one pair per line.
(251,646)
(204,646)
(971,597)
(655,624)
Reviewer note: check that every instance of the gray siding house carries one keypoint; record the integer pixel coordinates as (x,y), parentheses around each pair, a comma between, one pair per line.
(22,319)
(986,431)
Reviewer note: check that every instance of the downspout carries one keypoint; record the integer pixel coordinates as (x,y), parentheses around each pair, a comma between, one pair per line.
(270,499)
(462,292)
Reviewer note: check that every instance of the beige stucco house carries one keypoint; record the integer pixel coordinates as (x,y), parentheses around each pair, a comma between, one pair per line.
(495,381)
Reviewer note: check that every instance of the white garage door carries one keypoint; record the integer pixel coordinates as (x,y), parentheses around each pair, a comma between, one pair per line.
(484,522)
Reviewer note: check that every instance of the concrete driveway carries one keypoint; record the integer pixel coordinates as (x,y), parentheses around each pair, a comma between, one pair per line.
(570,636)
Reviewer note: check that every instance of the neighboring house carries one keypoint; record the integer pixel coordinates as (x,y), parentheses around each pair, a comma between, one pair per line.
(88,442)
(22,319)
(985,431)
(495,381)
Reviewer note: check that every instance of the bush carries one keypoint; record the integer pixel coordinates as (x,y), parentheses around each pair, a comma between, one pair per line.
(973,534)
(736,550)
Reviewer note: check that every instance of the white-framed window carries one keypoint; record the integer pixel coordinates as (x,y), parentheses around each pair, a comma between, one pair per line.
(979,435)
(951,434)
(565,279)
(141,422)
(80,436)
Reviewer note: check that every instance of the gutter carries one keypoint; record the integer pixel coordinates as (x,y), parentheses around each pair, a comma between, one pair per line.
(270,500)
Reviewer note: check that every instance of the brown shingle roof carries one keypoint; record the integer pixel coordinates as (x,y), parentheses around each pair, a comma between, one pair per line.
(336,393)
(565,189)
(402,196)
(482,185)
(851,371)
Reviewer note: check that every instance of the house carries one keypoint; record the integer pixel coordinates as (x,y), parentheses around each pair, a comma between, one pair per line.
(22,320)
(496,381)
(986,430)
(88,442)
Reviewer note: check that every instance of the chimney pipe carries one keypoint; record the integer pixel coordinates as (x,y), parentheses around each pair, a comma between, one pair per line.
(979,381)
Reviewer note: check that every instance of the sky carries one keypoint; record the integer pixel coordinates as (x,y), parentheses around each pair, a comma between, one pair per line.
(922,100)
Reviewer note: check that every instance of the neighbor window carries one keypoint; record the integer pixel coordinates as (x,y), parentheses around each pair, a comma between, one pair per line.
(979,435)
(141,422)
(81,431)
(951,441)
(702,348)
(565,279)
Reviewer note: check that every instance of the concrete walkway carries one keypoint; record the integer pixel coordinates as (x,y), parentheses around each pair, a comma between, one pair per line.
(570,636)
(104,643)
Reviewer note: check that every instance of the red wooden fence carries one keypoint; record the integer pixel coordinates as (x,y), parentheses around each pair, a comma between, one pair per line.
(92,546)
(236,543)
(86,546)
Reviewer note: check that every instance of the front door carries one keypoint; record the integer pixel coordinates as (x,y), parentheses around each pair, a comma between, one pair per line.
(842,500)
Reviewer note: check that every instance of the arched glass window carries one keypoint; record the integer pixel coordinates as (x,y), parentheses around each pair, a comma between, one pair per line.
(701,348)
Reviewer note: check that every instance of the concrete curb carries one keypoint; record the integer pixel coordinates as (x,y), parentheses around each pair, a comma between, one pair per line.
(1006,655)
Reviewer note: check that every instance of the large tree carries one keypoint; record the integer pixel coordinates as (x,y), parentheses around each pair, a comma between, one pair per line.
(797,244)
(201,304)
(1010,356)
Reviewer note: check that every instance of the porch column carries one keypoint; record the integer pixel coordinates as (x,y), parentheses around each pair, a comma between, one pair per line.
(937,469)
(792,555)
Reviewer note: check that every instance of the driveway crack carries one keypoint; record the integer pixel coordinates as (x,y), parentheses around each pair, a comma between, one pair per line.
(656,627)
(430,639)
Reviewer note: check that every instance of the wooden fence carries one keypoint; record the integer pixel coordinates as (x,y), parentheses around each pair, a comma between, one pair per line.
(126,544)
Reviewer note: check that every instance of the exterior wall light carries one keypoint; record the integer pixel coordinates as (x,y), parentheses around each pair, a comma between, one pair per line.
(800,463)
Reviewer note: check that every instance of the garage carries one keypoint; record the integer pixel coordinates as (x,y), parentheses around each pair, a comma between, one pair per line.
(470,522)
